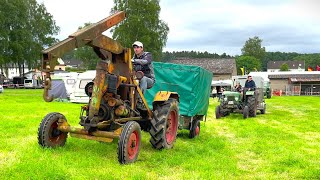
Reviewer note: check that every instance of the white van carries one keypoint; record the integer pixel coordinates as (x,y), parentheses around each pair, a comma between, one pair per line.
(32,83)
(78,94)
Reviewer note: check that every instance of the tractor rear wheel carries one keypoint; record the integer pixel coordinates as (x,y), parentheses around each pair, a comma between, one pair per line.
(129,143)
(252,106)
(195,129)
(48,133)
(164,124)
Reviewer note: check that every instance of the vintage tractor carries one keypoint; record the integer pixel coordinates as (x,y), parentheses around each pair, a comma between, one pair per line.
(267,89)
(245,102)
(112,110)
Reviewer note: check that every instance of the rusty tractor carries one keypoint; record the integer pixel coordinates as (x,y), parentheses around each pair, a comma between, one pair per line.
(112,111)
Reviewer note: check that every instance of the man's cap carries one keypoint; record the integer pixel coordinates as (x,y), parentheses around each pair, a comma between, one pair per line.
(137,43)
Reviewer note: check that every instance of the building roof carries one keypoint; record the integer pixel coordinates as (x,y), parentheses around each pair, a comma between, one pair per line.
(291,64)
(216,66)
(73,62)
(305,79)
(298,76)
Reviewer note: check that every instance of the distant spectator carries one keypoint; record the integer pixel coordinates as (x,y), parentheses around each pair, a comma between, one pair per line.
(238,87)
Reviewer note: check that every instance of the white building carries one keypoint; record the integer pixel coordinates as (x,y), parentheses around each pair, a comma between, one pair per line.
(14,71)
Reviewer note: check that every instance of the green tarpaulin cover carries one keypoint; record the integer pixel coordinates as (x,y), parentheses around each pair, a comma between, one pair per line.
(192,83)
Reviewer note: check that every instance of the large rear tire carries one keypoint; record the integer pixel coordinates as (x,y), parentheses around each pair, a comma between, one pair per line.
(195,129)
(252,106)
(48,133)
(164,124)
(129,143)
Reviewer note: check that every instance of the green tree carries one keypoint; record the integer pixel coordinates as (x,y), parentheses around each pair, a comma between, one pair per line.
(86,54)
(253,47)
(284,67)
(25,29)
(249,63)
(142,23)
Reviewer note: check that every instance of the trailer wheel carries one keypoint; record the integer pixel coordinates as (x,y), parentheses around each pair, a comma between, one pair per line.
(164,124)
(48,133)
(263,111)
(195,129)
(218,112)
(129,143)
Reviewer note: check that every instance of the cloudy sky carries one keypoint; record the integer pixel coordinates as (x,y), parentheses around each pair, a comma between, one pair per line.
(212,25)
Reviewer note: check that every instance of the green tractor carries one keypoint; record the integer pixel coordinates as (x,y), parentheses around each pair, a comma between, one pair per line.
(246,102)
(267,89)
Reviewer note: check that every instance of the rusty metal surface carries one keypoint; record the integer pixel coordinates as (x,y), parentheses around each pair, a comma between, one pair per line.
(143,100)
(99,87)
(114,85)
(97,133)
(82,37)
(122,111)
(90,35)
(47,86)
(122,120)
(107,44)
(82,136)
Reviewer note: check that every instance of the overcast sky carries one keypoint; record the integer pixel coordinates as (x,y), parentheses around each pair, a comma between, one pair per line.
(212,25)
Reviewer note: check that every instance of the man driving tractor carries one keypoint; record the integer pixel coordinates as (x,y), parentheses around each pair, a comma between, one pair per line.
(142,62)
(250,84)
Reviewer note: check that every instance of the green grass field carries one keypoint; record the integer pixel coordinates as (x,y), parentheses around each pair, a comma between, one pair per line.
(282,144)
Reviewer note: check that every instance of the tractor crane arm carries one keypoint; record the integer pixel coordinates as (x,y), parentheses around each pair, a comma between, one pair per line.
(92,36)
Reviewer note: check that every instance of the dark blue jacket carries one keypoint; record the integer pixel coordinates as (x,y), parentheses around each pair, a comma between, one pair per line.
(250,84)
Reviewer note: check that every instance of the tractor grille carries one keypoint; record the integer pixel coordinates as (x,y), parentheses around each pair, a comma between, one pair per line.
(231,98)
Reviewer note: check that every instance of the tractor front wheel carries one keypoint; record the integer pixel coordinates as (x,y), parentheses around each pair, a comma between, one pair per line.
(48,133)
(164,124)
(195,129)
(218,112)
(245,112)
(129,143)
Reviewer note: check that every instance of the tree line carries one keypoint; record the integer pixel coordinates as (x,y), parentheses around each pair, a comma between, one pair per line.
(25,29)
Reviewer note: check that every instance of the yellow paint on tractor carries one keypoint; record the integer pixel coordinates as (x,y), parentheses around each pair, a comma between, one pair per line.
(164,96)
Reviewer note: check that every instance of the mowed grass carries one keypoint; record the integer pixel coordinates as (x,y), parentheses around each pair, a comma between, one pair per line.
(284,143)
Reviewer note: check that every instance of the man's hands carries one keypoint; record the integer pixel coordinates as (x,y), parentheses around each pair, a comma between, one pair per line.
(136,61)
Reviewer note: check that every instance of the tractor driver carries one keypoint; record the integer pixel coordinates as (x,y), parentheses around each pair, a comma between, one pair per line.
(250,84)
(142,62)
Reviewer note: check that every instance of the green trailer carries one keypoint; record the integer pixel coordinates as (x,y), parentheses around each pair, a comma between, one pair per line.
(193,85)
